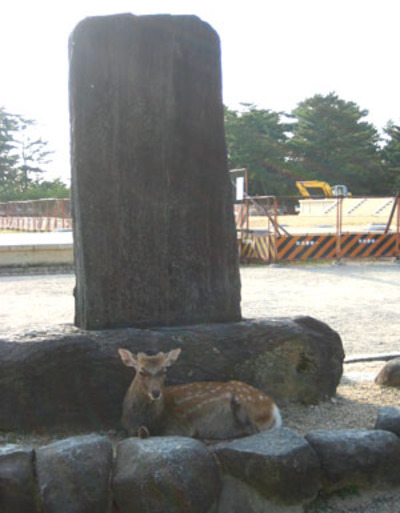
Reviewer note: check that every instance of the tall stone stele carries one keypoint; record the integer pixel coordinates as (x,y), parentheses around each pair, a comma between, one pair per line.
(154,233)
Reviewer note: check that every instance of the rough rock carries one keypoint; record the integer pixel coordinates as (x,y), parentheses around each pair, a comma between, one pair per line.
(154,233)
(389,419)
(165,475)
(18,492)
(74,475)
(75,380)
(389,375)
(270,460)
(357,458)
(238,497)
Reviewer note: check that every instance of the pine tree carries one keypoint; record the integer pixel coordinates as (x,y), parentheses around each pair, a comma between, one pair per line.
(333,142)
(391,156)
(22,154)
(256,140)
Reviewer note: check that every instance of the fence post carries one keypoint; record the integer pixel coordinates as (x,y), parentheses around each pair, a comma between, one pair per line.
(269,236)
(275,252)
(63,212)
(339,214)
(398,228)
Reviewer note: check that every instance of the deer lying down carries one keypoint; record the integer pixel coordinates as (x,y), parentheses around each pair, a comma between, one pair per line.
(210,410)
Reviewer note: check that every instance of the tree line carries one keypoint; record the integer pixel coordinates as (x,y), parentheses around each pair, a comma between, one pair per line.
(23,158)
(323,138)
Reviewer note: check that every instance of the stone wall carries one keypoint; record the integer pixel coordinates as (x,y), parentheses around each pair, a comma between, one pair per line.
(278,471)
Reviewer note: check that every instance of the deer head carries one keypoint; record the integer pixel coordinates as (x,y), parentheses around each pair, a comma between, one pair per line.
(150,371)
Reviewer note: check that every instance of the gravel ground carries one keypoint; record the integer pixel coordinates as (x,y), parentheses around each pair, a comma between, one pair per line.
(359,300)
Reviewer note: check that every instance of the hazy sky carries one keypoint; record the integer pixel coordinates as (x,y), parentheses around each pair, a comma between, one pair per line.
(275,53)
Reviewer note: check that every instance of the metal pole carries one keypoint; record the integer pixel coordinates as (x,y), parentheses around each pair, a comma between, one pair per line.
(246,198)
(275,255)
(269,241)
(390,219)
(63,213)
(338,227)
(398,228)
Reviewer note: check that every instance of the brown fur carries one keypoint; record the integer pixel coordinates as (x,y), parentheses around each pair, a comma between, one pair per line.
(216,410)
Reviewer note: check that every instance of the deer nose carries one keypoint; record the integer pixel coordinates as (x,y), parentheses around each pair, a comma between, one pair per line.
(155,394)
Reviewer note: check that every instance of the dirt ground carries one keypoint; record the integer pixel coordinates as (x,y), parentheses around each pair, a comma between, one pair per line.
(359,300)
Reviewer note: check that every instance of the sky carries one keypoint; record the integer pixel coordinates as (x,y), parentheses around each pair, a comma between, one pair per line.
(274,54)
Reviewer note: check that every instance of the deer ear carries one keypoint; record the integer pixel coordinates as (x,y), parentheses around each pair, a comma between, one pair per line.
(128,359)
(171,357)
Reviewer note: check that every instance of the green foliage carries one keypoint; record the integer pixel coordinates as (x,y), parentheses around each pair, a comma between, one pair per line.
(256,140)
(391,156)
(8,153)
(23,156)
(332,142)
(324,138)
(36,190)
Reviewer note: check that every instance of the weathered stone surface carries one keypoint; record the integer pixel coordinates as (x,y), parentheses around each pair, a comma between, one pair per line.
(164,475)
(74,475)
(389,419)
(269,461)
(389,375)
(238,497)
(361,458)
(154,235)
(76,380)
(17,483)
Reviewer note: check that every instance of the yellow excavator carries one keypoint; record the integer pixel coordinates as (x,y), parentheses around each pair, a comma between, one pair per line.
(327,190)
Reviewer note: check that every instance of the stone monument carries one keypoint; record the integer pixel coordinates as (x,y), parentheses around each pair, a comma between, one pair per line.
(154,232)
(154,241)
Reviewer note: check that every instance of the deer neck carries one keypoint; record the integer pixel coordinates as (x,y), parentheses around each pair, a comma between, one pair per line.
(143,404)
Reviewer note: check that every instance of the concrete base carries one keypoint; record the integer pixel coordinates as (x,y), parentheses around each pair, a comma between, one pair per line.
(36,249)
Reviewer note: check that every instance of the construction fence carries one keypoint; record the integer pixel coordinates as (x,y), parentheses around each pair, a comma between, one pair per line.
(269,229)
(44,215)
(274,229)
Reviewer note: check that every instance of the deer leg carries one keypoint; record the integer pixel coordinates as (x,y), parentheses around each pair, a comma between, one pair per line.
(241,418)
(143,432)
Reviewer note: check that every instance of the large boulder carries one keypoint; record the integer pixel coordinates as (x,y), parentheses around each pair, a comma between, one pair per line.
(154,233)
(18,493)
(279,465)
(165,475)
(357,458)
(74,475)
(75,380)
(389,375)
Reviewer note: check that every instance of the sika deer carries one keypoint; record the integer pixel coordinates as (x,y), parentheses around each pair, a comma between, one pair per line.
(213,410)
